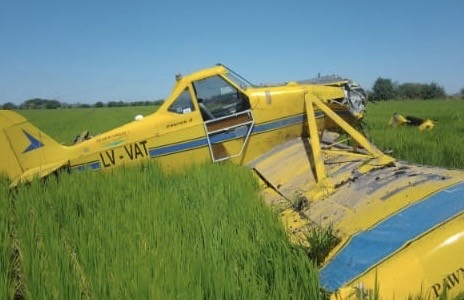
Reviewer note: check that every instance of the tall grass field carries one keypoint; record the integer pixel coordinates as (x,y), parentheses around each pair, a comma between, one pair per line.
(139,234)
(442,146)
(136,233)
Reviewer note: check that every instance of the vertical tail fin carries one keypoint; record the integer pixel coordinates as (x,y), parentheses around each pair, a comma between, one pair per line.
(25,151)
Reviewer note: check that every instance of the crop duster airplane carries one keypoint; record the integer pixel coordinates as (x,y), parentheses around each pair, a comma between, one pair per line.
(401,227)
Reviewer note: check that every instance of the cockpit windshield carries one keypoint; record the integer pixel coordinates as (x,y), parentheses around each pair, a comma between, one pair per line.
(239,81)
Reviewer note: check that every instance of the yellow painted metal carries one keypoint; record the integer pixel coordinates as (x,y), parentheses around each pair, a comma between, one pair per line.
(427,125)
(399,120)
(324,185)
(409,192)
(314,136)
(17,162)
(296,225)
(379,159)
(136,140)
(321,189)
(360,204)
(425,268)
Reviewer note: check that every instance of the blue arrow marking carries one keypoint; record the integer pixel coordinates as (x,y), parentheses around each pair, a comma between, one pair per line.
(34,143)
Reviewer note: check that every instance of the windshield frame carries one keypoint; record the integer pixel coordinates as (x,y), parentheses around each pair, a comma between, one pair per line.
(237,79)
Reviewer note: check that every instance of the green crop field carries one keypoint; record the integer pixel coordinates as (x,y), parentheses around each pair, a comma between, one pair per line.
(64,124)
(438,147)
(139,234)
(206,233)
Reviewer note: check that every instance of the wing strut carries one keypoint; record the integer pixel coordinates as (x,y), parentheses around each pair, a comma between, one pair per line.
(374,157)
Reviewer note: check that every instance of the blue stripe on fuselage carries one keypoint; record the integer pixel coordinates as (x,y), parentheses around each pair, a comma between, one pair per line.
(95,165)
(159,151)
(278,124)
(223,137)
(218,138)
(368,248)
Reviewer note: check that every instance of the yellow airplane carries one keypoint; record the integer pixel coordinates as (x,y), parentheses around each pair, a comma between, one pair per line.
(400,226)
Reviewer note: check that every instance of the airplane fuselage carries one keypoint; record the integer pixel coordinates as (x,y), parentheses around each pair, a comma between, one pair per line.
(246,123)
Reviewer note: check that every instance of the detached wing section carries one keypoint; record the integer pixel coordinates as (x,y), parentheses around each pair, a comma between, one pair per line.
(400,225)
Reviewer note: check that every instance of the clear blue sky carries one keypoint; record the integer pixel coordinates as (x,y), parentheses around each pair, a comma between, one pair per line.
(88,51)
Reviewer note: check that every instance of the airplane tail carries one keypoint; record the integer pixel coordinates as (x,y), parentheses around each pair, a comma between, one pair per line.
(26,152)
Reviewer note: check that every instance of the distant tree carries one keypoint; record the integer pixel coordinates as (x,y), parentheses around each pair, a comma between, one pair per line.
(462,93)
(99,104)
(32,103)
(410,90)
(432,91)
(383,89)
(37,103)
(52,104)
(66,105)
(9,106)
(116,104)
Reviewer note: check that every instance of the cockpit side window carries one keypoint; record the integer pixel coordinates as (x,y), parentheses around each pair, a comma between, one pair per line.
(219,98)
(183,104)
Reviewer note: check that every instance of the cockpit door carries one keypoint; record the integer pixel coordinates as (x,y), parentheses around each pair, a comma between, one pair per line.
(227,136)
(227,117)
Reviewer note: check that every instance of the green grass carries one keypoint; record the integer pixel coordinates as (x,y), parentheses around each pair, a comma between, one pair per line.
(137,233)
(321,241)
(441,146)
(4,242)
(64,124)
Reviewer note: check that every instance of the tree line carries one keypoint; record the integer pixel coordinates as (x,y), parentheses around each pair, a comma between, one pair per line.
(39,103)
(386,89)
(383,89)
